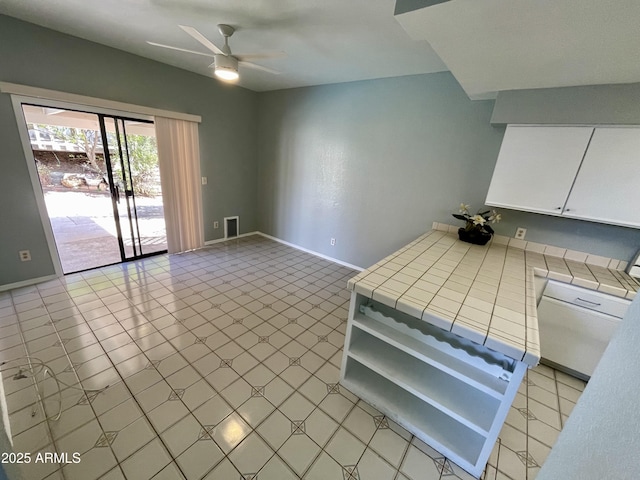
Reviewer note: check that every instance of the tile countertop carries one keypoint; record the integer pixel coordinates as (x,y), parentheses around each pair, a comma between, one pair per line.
(483,293)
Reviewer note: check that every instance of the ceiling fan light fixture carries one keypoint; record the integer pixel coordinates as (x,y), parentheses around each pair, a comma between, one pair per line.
(224,73)
(226,68)
(225,65)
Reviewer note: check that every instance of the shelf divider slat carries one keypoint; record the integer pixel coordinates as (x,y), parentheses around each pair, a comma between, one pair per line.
(453,396)
(451,438)
(473,376)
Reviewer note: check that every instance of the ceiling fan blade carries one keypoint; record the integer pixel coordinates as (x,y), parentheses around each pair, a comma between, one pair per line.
(259,67)
(258,56)
(201,38)
(180,49)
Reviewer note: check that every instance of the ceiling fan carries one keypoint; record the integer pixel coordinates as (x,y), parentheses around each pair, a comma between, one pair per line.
(225,64)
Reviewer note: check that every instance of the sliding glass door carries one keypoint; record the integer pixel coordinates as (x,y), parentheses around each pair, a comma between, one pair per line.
(101,185)
(132,168)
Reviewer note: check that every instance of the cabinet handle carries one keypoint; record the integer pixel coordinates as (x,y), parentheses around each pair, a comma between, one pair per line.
(587,301)
(568,210)
(558,208)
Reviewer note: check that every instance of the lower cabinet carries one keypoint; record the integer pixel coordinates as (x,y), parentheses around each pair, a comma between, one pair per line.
(448,391)
(576,325)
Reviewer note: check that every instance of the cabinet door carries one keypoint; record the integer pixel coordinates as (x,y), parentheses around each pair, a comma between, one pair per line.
(573,337)
(536,167)
(607,188)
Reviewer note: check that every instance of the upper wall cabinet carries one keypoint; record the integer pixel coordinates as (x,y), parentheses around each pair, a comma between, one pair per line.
(590,173)
(536,167)
(607,188)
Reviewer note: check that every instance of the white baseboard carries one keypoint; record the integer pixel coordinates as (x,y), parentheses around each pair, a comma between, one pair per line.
(220,240)
(33,281)
(26,283)
(317,254)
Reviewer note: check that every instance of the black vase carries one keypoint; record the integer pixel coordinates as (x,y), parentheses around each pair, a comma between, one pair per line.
(477,237)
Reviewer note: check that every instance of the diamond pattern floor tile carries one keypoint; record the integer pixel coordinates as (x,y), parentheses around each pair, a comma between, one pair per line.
(204,364)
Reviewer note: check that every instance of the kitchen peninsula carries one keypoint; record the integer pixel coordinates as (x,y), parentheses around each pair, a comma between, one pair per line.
(441,332)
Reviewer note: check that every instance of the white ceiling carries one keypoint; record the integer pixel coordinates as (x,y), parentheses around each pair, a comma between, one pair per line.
(489,45)
(494,45)
(326,41)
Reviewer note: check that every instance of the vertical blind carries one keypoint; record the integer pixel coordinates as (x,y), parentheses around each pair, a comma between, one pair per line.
(179,160)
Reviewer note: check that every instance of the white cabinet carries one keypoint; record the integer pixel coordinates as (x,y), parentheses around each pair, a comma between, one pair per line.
(448,391)
(607,188)
(589,173)
(536,167)
(576,325)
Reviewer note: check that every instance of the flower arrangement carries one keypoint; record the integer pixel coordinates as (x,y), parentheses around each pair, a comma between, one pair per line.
(477,226)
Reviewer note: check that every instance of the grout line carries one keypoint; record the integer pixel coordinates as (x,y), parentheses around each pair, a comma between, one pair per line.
(79,382)
(97,417)
(555,379)
(404,456)
(39,399)
(498,456)
(246,258)
(232,340)
(312,252)
(145,413)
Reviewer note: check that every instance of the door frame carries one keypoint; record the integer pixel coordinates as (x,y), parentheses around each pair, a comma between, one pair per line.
(17,101)
(130,199)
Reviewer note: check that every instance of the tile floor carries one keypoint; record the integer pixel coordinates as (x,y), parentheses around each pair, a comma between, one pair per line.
(223,364)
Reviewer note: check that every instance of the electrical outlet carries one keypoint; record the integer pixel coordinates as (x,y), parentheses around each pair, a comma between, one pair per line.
(333,241)
(216,224)
(25,255)
(520,233)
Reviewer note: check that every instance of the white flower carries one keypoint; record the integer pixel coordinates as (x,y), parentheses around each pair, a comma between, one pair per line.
(478,220)
(495,217)
(464,208)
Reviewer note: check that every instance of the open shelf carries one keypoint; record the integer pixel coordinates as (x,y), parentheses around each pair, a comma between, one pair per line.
(461,401)
(471,374)
(455,345)
(452,393)
(431,425)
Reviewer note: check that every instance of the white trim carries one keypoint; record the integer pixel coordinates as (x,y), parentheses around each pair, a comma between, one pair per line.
(226,233)
(220,240)
(35,184)
(33,281)
(326,257)
(26,283)
(297,247)
(65,105)
(43,93)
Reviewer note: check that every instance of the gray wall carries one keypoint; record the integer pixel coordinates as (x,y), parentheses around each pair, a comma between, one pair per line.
(36,56)
(606,240)
(595,104)
(373,163)
(404,6)
(20,225)
(600,439)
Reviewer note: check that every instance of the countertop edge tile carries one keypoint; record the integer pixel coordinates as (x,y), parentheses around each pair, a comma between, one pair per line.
(494,273)
(467,331)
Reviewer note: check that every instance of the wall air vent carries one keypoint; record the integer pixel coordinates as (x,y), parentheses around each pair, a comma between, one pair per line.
(231,227)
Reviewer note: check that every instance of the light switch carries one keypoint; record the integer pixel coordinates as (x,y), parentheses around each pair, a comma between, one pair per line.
(204,180)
